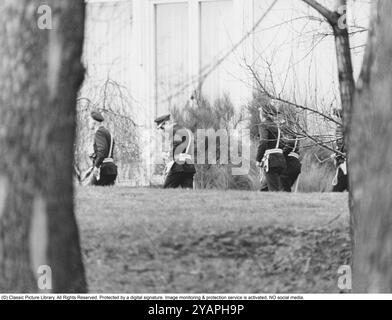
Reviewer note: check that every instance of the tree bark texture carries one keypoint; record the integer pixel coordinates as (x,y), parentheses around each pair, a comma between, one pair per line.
(370,155)
(40,74)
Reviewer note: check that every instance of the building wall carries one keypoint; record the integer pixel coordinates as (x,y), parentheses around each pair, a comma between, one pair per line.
(186,45)
(108,57)
(108,49)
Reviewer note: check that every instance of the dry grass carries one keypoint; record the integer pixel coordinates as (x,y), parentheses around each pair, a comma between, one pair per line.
(316,177)
(152,240)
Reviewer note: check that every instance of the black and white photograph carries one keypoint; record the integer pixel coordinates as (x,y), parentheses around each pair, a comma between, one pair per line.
(195,149)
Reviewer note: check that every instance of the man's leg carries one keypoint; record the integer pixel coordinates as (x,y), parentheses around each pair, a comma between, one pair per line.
(173,180)
(273,179)
(290,175)
(286,182)
(106,180)
(342,183)
(187,181)
(263,182)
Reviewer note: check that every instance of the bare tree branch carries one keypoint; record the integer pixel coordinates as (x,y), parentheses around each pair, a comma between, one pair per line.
(325,12)
(271,96)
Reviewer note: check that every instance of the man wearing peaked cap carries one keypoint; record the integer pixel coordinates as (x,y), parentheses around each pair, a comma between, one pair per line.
(340,181)
(291,148)
(104,170)
(180,168)
(97,116)
(162,120)
(270,156)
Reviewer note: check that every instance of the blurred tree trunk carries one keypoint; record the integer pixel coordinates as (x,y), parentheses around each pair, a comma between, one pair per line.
(370,157)
(40,72)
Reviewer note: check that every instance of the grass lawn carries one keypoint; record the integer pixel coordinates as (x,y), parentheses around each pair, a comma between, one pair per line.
(139,240)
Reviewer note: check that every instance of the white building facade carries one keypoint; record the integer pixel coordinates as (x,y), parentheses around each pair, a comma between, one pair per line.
(183,46)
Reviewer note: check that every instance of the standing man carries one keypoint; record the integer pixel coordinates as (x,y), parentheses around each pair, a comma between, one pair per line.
(180,169)
(293,165)
(340,181)
(104,172)
(270,150)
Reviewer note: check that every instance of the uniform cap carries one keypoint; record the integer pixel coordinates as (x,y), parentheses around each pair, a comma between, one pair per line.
(337,112)
(162,119)
(97,116)
(269,110)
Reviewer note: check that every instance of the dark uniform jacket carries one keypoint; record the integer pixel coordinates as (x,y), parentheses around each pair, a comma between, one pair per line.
(339,138)
(182,140)
(268,140)
(340,145)
(291,144)
(102,142)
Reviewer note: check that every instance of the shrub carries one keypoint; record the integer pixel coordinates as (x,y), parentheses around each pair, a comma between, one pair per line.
(220,115)
(212,177)
(250,182)
(316,176)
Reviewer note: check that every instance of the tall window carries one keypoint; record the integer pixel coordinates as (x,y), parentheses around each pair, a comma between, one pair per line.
(191,35)
(216,39)
(171,55)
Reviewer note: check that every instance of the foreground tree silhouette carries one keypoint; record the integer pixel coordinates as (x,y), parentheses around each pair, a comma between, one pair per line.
(370,156)
(41,72)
